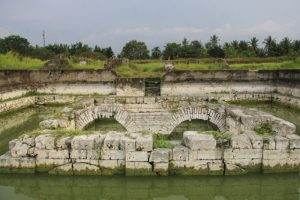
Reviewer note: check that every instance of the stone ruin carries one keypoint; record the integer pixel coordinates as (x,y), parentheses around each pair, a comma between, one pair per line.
(113,62)
(132,154)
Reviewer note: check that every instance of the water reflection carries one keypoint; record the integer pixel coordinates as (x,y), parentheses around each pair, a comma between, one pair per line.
(264,187)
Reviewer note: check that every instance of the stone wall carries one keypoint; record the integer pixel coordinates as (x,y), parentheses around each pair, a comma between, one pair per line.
(133,154)
(208,83)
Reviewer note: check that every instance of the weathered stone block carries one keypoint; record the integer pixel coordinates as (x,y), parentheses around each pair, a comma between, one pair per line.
(78,154)
(127,144)
(269,143)
(29,140)
(144,143)
(180,153)
(197,167)
(27,163)
(149,100)
(160,155)
(85,169)
(105,154)
(281,143)
(98,139)
(44,165)
(62,170)
(19,151)
(93,154)
(108,164)
(41,154)
(112,141)
(216,167)
(138,169)
(243,154)
(59,154)
(137,156)
(193,155)
(294,141)
(161,169)
(241,141)
(82,142)
(45,141)
(117,155)
(232,169)
(256,140)
(215,154)
(88,161)
(195,141)
(63,142)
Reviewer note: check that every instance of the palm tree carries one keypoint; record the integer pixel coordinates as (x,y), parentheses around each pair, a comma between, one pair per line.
(286,45)
(254,43)
(270,46)
(214,40)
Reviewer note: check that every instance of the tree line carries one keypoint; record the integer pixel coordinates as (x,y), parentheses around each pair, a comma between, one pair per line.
(136,50)
(22,46)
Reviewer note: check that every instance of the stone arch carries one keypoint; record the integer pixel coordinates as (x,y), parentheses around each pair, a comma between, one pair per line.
(88,115)
(202,113)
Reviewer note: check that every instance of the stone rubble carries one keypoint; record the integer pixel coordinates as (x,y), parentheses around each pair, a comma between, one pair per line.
(133,154)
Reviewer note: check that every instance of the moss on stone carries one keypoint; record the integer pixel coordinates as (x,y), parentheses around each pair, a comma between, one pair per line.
(115,171)
(139,172)
(281,169)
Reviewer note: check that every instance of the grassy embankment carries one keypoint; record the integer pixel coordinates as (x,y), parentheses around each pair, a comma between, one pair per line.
(154,68)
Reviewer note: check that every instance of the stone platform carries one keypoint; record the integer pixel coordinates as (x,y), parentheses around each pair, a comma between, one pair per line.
(132,154)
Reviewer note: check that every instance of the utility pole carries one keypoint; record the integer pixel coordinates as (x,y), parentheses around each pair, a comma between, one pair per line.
(44,38)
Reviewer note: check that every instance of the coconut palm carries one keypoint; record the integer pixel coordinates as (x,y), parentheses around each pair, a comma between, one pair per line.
(254,43)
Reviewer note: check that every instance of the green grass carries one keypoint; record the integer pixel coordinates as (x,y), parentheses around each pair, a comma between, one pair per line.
(264,129)
(155,68)
(162,141)
(14,61)
(91,64)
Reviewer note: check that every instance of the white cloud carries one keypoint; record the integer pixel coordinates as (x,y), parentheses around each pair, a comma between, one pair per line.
(4,32)
(271,27)
(184,30)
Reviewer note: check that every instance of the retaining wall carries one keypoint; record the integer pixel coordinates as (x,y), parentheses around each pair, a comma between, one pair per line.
(133,154)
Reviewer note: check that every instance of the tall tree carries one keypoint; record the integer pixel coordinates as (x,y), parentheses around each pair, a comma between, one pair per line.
(254,44)
(285,46)
(270,46)
(156,53)
(171,51)
(16,43)
(135,50)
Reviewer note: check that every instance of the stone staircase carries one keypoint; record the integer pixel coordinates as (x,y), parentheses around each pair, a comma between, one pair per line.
(154,122)
(152,86)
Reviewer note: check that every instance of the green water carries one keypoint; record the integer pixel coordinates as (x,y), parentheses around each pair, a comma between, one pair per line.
(254,187)
(17,123)
(290,114)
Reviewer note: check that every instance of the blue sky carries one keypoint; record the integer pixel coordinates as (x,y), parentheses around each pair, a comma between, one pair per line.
(114,22)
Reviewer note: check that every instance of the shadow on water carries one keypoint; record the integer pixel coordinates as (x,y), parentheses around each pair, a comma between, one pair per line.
(256,187)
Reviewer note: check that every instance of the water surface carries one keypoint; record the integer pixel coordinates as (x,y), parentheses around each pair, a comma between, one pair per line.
(254,187)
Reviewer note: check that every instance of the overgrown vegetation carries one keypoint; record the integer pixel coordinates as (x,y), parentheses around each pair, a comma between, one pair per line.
(162,141)
(264,129)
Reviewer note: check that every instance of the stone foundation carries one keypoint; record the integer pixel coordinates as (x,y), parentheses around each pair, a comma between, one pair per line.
(132,154)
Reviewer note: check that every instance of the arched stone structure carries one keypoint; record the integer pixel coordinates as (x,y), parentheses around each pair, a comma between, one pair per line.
(163,122)
(88,115)
(207,114)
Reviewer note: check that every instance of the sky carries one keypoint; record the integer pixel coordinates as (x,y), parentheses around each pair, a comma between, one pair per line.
(156,22)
